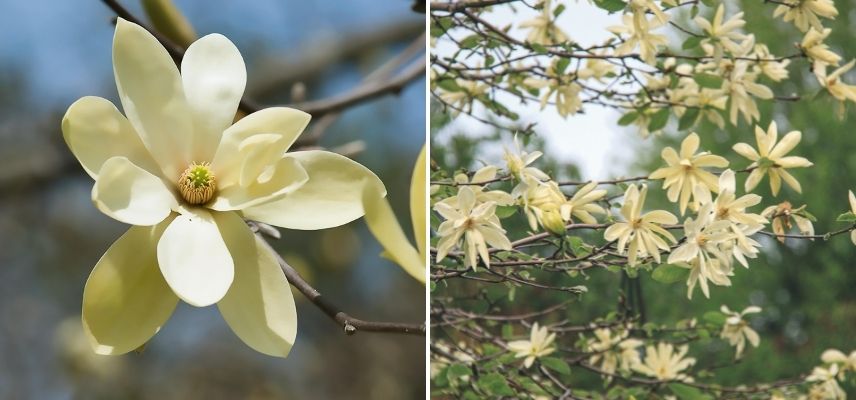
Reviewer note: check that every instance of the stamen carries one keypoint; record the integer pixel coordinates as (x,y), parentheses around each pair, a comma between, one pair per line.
(197,184)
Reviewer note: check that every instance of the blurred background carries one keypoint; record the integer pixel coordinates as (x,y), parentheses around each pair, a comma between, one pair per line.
(54,52)
(805,288)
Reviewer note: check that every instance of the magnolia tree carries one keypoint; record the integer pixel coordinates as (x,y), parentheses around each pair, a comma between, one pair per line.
(667,66)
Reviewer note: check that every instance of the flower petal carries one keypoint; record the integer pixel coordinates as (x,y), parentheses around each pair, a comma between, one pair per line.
(331,197)
(259,306)
(285,177)
(152,96)
(384,226)
(95,130)
(126,300)
(194,259)
(256,142)
(213,76)
(130,194)
(747,151)
(791,140)
(418,205)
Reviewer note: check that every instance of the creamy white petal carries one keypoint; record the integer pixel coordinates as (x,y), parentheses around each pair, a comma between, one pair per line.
(130,194)
(126,300)
(385,227)
(259,306)
(194,259)
(152,96)
(284,177)
(95,130)
(213,76)
(331,197)
(418,203)
(256,142)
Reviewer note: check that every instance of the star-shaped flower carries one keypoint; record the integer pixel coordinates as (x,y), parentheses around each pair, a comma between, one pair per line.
(770,158)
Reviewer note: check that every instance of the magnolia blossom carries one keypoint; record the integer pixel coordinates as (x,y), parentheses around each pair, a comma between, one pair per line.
(775,70)
(543,29)
(483,175)
(805,13)
(684,171)
(812,45)
(539,345)
(708,101)
(845,362)
(832,82)
(518,166)
(770,158)
(729,207)
(547,204)
(384,225)
(613,352)
(722,34)
(475,222)
(783,213)
(638,32)
(741,85)
(852,199)
(642,232)
(666,364)
(566,93)
(706,238)
(826,386)
(462,98)
(176,168)
(737,331)
(715,271)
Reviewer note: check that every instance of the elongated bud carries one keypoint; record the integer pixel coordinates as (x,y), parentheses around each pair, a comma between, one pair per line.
(169,21)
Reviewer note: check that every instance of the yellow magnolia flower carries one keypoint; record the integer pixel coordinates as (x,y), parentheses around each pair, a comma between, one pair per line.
(845,362)
(782,214)
(666,364)
(538,345)
(685,171)
(546,203)
(518,165)
(384,226)
(805,13)
(706,238)
(642,232)
(826,386)
(613,352)
(175,168)
(475,223)
(813,46)
(714,271)
(737,331)
(722,34)
(729,207)
(462,99)
(741,86)
(543,29)
(770,158)
(833,83)
(638,31)
(483,175)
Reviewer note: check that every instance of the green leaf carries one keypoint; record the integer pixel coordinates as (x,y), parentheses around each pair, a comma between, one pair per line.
(659,120)
(494,384)
(507,331)
(611,5)
(562,64)
(540,49)
(668,273)
(714,317)
(847,217)
(556,364)
(688,119)
(449,85)
(559,10)
(628,118)
(691,43)
(505,211)
(470,41)
(456,371)
(709,81)
(685,392)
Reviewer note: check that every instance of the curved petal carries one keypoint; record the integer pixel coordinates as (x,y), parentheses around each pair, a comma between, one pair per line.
(418,203)
(256,142)
(130,194)
(331,197)
(126,300)
(791,140)
(95,130)
(689,145)
(285,177)
(152,96)
(753,179)
(213,76)
(793,162)
(194,259)
(384,226)
(259,306)
(747,151)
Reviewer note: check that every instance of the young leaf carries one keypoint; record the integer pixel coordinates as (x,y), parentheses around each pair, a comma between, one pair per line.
(668,273)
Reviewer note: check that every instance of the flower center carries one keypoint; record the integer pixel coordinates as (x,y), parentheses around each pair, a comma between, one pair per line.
(197,184)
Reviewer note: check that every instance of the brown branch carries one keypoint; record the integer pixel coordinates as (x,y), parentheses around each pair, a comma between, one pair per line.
(349,324)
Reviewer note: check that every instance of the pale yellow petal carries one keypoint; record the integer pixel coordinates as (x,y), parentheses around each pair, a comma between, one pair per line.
(130,194)
(418,200)
(385,227)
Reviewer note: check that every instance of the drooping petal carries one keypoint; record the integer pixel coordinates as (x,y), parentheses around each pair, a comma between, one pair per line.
(130,194)
(384,226)
(152,96)
(213,76)
(285,177)
(194,259)
(256,142)
(95,130)
(259,306)
(418,206)
(753,179)
(331,197)
(126,300)
(747,151)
